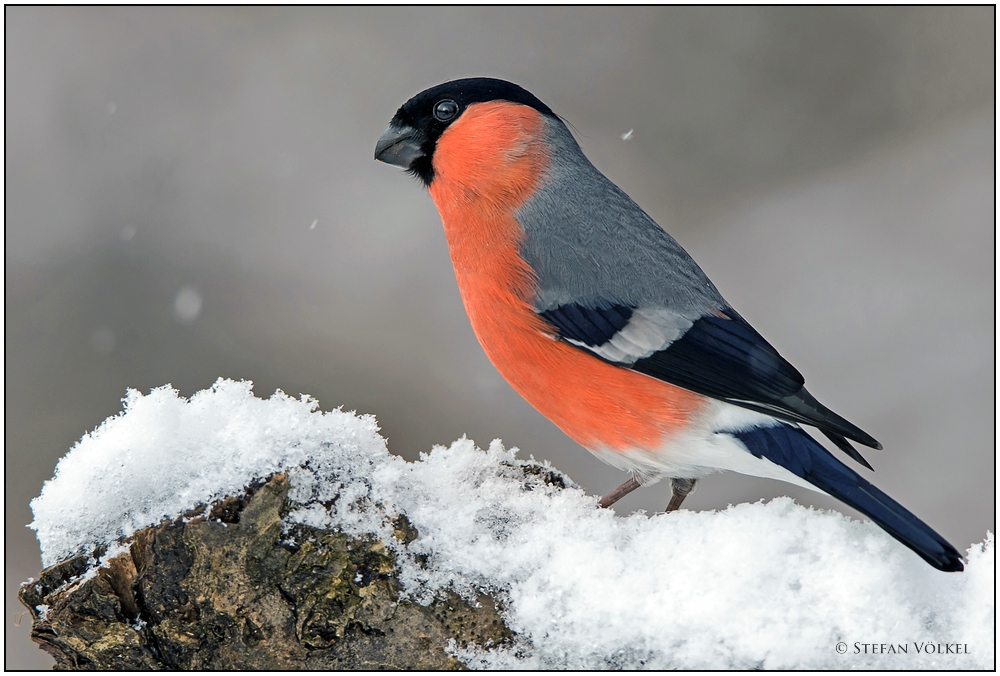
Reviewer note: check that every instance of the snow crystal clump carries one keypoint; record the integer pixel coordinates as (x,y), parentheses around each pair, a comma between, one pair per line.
(771,586)
(165,455)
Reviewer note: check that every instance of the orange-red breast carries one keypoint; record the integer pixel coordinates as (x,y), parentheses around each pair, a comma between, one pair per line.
(600,319)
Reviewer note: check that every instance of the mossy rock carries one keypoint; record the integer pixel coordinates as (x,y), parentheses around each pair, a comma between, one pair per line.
(224,588)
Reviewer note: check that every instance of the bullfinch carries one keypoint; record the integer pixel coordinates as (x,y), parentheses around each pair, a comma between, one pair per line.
(599,318)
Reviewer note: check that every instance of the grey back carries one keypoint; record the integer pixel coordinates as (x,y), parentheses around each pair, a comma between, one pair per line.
(590,244)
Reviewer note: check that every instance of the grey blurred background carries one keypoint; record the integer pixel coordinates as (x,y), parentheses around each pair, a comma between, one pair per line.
(191,194)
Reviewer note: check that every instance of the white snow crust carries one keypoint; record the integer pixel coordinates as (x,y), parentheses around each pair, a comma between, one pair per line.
(767,585)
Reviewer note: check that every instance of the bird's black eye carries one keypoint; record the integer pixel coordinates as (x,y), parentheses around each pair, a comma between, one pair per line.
(445,110)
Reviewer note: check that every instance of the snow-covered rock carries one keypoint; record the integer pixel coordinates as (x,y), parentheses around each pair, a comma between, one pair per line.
(766,585)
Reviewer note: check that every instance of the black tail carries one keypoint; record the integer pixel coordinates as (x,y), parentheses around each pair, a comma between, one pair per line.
(802,455)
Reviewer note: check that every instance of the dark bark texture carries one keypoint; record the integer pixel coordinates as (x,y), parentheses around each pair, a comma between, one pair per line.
(231,591)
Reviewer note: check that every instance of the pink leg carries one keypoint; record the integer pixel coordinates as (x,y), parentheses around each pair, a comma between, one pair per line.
(619,493)
(680,488)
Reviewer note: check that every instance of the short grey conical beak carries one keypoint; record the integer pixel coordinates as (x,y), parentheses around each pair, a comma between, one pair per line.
(399,145)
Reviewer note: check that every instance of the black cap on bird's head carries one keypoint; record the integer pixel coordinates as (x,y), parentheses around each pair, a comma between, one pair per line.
(413,133)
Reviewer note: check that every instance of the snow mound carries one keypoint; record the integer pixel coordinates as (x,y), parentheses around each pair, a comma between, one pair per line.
(771,586)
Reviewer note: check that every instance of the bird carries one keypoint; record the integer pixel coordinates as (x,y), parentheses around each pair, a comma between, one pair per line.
(605,324)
